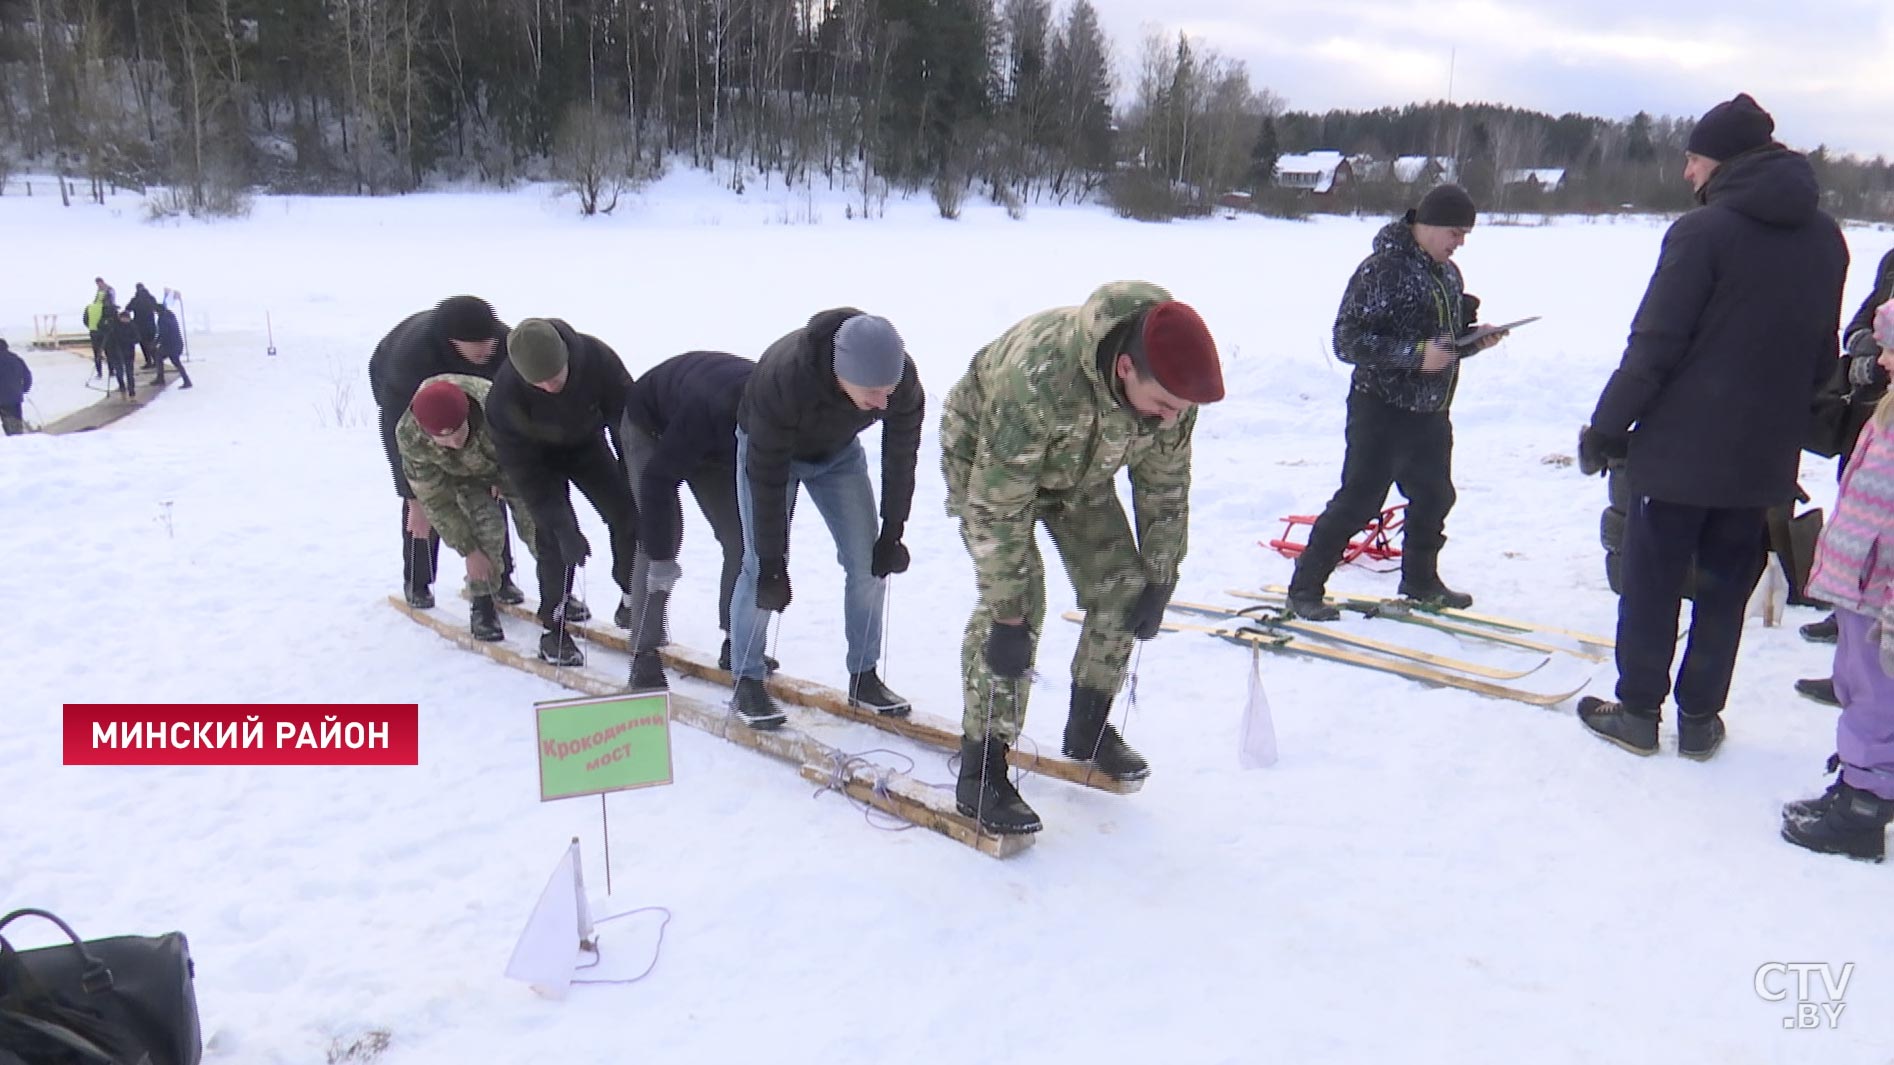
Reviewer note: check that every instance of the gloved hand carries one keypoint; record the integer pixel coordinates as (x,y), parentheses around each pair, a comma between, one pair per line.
(1147,614)
(772,585)
(661,575)
(573,546)
(1864,371)
(1596,450)
(1861,342)
(1469,309)
(1009,650)
(891,556)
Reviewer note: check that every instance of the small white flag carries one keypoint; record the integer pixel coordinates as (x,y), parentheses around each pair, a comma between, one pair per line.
(547,953)
(1256,739)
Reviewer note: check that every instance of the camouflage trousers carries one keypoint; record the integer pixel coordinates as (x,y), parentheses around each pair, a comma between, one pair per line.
(1095,542)
(487,518)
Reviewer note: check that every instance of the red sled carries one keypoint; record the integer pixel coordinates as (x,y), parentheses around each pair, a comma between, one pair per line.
(1374,543)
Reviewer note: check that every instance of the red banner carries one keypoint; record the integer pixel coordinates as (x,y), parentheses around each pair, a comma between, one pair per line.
(242,734)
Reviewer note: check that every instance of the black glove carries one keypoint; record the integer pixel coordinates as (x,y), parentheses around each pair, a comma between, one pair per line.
(1009,650)
(573,547)
(1148,612)
(891,556)
(1469,310)
(1864,371)
(772,585)
(1596,450)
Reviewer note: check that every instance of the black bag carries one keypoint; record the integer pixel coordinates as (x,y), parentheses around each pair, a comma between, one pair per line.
(131,998)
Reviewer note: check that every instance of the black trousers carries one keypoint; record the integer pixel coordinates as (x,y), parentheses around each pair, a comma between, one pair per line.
(1387,447)
(714,485)
(421,558)
(1660,540)
(598,475)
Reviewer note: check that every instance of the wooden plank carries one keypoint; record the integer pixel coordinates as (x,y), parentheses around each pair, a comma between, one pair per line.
(103,412)
(1395,610)
(1494,620)
(1326,631)
(895,793)
(917,726)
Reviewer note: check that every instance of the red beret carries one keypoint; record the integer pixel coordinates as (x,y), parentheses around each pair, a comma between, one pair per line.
(1181,353)
(440,407)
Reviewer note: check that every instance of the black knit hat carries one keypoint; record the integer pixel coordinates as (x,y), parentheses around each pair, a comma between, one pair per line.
(1445,205)
(1731,128)
(466,318)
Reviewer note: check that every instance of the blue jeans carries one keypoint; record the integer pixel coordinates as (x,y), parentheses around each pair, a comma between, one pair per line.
(846,499)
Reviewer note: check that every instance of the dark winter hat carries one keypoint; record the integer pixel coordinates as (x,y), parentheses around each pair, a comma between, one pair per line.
(869,353)
(466,318)
(537,350)
(1181,353)
(1731,128)
(1445,205)
(440,407)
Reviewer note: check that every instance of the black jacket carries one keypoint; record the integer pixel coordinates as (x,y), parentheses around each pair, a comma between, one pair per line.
(16,378)
(794,409)
(1736,333)
(144,308)
(688,403)
(410,354)
(1398,299)
(534,430)
(170,337)
(121,339)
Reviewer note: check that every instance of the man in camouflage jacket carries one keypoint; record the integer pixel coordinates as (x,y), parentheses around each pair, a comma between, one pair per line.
(1399,316)
(1036,432)
(448,459)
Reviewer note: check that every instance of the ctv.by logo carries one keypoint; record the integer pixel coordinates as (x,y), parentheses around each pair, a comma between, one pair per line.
(1817,988)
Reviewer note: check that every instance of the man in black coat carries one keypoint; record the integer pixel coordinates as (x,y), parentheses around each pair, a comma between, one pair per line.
(16,380)
(812,394)
(1399,316)
(1709,408)
(681,428)
(170,346)
(555,401)
(144,308)
(121,346)
(458,335)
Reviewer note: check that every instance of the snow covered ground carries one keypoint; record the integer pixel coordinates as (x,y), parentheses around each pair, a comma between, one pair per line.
(1426,876)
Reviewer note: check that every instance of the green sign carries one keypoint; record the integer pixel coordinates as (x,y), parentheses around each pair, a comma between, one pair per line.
(609,743)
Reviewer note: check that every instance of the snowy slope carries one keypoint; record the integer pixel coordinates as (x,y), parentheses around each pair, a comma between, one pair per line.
(1427,875)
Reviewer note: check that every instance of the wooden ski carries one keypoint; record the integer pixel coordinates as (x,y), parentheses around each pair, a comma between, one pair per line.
(1394,607)
(1403,611)
(1294,644)
(922,728)
(1320,631)
(894,793)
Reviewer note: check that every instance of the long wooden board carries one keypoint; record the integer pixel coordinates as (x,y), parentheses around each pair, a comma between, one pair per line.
(1326,631)
(893,793)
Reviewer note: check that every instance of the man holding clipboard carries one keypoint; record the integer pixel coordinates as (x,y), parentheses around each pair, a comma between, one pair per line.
(1405,323)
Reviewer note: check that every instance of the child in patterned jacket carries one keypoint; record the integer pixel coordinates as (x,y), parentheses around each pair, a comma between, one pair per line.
(1854,568)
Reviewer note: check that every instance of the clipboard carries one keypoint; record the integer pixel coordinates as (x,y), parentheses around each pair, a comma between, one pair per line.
(1473,336)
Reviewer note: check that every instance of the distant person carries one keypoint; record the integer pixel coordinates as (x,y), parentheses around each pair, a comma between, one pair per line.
(458,335)
(556,408)
(16,380)
(144,308)
(121,348)
(814,392)
(1855,572)
(1399,316)
(95,316)
(1709,409)
(170,346)
(1035,434)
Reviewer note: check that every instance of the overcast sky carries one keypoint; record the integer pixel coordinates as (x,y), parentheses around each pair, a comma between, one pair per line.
(1823,68)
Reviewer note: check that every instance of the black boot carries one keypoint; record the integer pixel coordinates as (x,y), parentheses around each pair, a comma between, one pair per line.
(419,596)
(1699,737)
(556,646)
(1090,737)
(1634,730)
(1818,689)
(647,673)
(1827,630)
(577,612)
(509,593)
(723,659)
(486,620)
(866,691)
(187,380)
(985,792)
(1813,809)
(1312,607)
(755,707)
(1854,823)
(1435,594)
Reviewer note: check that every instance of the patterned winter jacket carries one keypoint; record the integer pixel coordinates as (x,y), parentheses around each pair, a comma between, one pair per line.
(1034,419)
(1854,560)
(453,484)
(1398,299)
